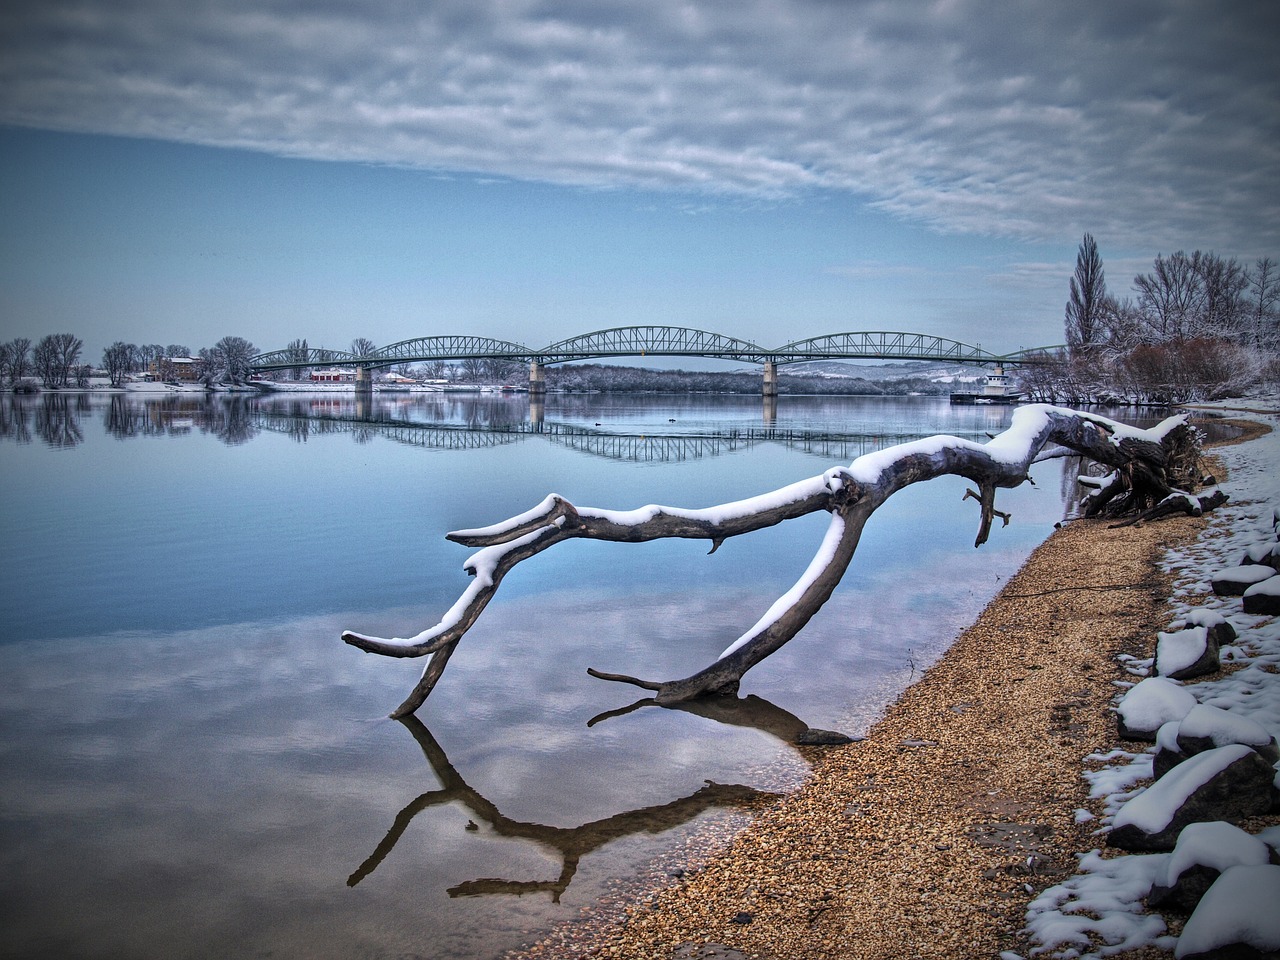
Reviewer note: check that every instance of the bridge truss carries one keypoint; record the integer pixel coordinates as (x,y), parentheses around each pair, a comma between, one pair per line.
(661,341)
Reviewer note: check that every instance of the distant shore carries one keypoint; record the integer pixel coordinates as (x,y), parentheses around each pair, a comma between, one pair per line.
(930,837)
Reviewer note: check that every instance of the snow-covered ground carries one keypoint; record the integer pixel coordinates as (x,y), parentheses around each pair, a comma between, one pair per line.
(1100,911)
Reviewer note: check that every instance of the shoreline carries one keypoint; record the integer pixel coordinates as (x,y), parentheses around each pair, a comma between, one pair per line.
(930,837)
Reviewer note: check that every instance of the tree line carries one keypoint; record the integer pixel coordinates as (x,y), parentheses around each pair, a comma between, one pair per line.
(57,360)
(1198,326)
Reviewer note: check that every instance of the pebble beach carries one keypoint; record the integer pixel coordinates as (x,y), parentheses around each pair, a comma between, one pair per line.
(931,836)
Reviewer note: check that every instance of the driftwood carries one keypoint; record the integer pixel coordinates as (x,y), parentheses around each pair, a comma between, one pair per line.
(1151,472)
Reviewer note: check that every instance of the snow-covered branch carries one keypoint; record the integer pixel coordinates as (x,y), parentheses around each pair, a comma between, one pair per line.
(1142,462)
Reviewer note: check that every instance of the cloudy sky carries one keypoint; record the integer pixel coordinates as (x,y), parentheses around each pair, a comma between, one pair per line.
(535,169)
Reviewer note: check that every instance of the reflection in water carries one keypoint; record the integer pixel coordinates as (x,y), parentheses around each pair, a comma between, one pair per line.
(431,421)
(57,417)
(750,711)
(571,843)
(233,792)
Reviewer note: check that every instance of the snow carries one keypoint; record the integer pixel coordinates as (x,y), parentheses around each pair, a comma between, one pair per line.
(1180,649)
(1217,845)
(1222,727)
(821,560)
(1153,702)
(1017,445)
(1199,617)
(1261,552)
(1240,907)
(1269,587)
(1100,911)
(1249,573)
(1152,810)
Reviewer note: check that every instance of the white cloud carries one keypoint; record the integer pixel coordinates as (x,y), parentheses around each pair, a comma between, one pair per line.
(1148,124)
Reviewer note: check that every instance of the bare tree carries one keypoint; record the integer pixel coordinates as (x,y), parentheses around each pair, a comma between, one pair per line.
(363,347)
(68,349)
(117,360)
(1170,297)
(298,353)
(228,361)
(1224,311)
(56,357)
(1153,471)
(19,357)
(15,359)
(1264,303)
(499,370)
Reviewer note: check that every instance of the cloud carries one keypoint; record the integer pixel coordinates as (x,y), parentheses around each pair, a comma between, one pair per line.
(1146,123)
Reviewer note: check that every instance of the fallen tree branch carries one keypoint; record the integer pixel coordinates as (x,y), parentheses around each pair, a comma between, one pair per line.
(1141,461)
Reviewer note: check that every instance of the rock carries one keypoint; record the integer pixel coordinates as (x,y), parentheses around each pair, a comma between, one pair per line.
(1149,705)
(812,737)
(707,951)
(1267,552)
(1220,629)
(1226,783)
(1202,853)
(1263,598)
(1188,653)
(1206,726)
(1236,918)
(1234,581)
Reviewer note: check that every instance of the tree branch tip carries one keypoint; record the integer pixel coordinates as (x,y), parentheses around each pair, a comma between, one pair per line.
(623,678)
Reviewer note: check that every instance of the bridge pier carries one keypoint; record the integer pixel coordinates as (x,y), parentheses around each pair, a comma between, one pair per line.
(537,379)
(770,378)
(364,380)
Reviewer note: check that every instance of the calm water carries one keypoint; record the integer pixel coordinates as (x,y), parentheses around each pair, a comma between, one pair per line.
(194,765)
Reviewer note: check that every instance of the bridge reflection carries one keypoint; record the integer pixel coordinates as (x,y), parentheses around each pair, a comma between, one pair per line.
(364,421)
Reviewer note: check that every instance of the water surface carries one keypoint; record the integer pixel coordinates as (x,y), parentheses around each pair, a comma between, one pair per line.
(195,766)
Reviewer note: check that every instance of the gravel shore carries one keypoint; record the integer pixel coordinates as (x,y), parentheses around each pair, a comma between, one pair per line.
(930,837)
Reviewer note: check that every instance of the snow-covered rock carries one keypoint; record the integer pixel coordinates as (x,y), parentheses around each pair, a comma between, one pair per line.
(1233,581)
(1263,598)
(1206,726)
(1202,853)
(1149,705)
(1225,783)
(1266,552)
(1219,627)
(1184,654)
(1238,911)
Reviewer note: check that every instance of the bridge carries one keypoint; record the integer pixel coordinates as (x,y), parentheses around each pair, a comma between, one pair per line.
(654,341)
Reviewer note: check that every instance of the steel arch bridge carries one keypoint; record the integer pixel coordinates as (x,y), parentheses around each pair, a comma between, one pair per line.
(656,341)
(666,341)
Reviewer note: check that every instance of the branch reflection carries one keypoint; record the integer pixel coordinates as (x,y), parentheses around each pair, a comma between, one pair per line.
(571,843)
(750,711)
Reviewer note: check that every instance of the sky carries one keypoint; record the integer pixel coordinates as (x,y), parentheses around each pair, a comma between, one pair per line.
(532,170)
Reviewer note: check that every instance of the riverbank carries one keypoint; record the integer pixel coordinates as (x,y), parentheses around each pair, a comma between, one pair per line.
(931,837)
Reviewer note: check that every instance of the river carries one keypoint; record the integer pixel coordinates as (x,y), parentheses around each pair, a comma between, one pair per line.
(194,765)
